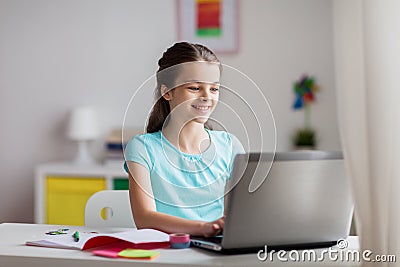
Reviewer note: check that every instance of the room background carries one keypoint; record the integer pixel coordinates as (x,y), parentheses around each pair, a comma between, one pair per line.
(57,55)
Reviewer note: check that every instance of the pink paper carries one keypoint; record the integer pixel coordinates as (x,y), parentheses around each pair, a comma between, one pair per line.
(112,250)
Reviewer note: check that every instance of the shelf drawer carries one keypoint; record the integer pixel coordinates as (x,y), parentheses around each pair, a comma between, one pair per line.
(120,183)
(66,198)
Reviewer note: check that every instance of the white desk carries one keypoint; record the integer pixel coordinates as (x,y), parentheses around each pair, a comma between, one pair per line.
(13,252)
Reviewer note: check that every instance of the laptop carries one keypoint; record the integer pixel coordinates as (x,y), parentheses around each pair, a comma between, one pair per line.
(285,200)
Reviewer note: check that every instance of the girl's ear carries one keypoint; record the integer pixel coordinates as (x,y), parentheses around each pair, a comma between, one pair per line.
(165,92)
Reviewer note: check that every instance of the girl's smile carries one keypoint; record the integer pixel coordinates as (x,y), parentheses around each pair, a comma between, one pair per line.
(202,109)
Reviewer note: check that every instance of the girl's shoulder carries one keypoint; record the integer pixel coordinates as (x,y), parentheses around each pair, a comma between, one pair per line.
(148,136)
(225,140)
(146,139)
(220,136)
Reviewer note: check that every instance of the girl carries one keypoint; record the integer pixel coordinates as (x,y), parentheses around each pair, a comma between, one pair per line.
(178,169)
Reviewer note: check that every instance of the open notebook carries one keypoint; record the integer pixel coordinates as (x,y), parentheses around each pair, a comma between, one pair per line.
(138,239)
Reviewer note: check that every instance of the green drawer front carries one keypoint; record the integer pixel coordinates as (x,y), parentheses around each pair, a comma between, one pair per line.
(120,184)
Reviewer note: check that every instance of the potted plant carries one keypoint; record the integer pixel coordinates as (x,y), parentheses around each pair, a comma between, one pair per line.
(305,89)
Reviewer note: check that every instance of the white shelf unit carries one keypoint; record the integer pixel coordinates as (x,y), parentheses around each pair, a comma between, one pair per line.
(62,172)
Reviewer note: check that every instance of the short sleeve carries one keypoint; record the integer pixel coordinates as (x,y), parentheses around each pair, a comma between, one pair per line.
(237,148)
(137,151)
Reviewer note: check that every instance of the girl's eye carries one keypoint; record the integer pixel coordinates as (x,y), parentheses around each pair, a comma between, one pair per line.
(214,89)
(194,88)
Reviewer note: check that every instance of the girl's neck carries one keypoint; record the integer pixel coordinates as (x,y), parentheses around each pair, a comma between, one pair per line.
(191,138)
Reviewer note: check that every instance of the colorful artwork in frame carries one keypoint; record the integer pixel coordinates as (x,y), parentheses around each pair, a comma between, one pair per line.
(213,23)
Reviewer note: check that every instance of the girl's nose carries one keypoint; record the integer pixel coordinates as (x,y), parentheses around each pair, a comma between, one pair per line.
(205,94)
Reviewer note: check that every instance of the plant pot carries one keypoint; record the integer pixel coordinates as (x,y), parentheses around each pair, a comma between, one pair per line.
(304,138)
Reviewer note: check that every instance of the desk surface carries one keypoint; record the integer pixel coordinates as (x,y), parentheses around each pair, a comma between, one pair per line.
(13,252)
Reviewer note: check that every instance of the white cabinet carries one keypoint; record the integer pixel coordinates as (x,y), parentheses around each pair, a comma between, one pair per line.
(62,189)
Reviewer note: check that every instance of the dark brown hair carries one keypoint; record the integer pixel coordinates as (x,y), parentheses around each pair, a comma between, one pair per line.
(179,53)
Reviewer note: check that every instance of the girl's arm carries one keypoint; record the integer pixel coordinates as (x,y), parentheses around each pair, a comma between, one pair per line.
(144,208)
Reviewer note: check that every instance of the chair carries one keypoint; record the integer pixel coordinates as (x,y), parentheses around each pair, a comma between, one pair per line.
(114,204)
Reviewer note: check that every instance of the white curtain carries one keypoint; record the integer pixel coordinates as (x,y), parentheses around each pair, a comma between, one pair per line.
(367,64)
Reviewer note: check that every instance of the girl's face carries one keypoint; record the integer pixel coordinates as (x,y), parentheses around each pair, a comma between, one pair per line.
(197,93)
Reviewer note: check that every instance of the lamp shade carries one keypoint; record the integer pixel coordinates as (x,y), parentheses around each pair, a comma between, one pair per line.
(83,124)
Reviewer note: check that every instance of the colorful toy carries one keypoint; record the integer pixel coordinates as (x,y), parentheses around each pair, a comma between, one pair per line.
(305,89)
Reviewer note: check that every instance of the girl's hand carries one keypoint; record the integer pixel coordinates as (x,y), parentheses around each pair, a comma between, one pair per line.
(213,228)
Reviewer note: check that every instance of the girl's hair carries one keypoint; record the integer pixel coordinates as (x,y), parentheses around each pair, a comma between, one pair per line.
(179,53)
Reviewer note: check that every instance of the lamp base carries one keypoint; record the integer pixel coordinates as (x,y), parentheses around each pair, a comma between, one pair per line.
(83,157)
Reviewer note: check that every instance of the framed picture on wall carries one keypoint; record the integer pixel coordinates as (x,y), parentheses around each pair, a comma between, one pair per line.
(213,23)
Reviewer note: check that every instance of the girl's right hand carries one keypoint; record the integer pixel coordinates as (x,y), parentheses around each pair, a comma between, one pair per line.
(213,228)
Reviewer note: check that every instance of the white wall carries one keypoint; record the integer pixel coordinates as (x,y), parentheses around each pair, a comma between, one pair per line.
(56,55)
(280,40)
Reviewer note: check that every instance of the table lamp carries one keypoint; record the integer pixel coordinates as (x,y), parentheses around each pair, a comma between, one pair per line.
(82,129)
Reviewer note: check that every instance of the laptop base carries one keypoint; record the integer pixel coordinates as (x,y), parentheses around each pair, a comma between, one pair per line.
(231,251)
